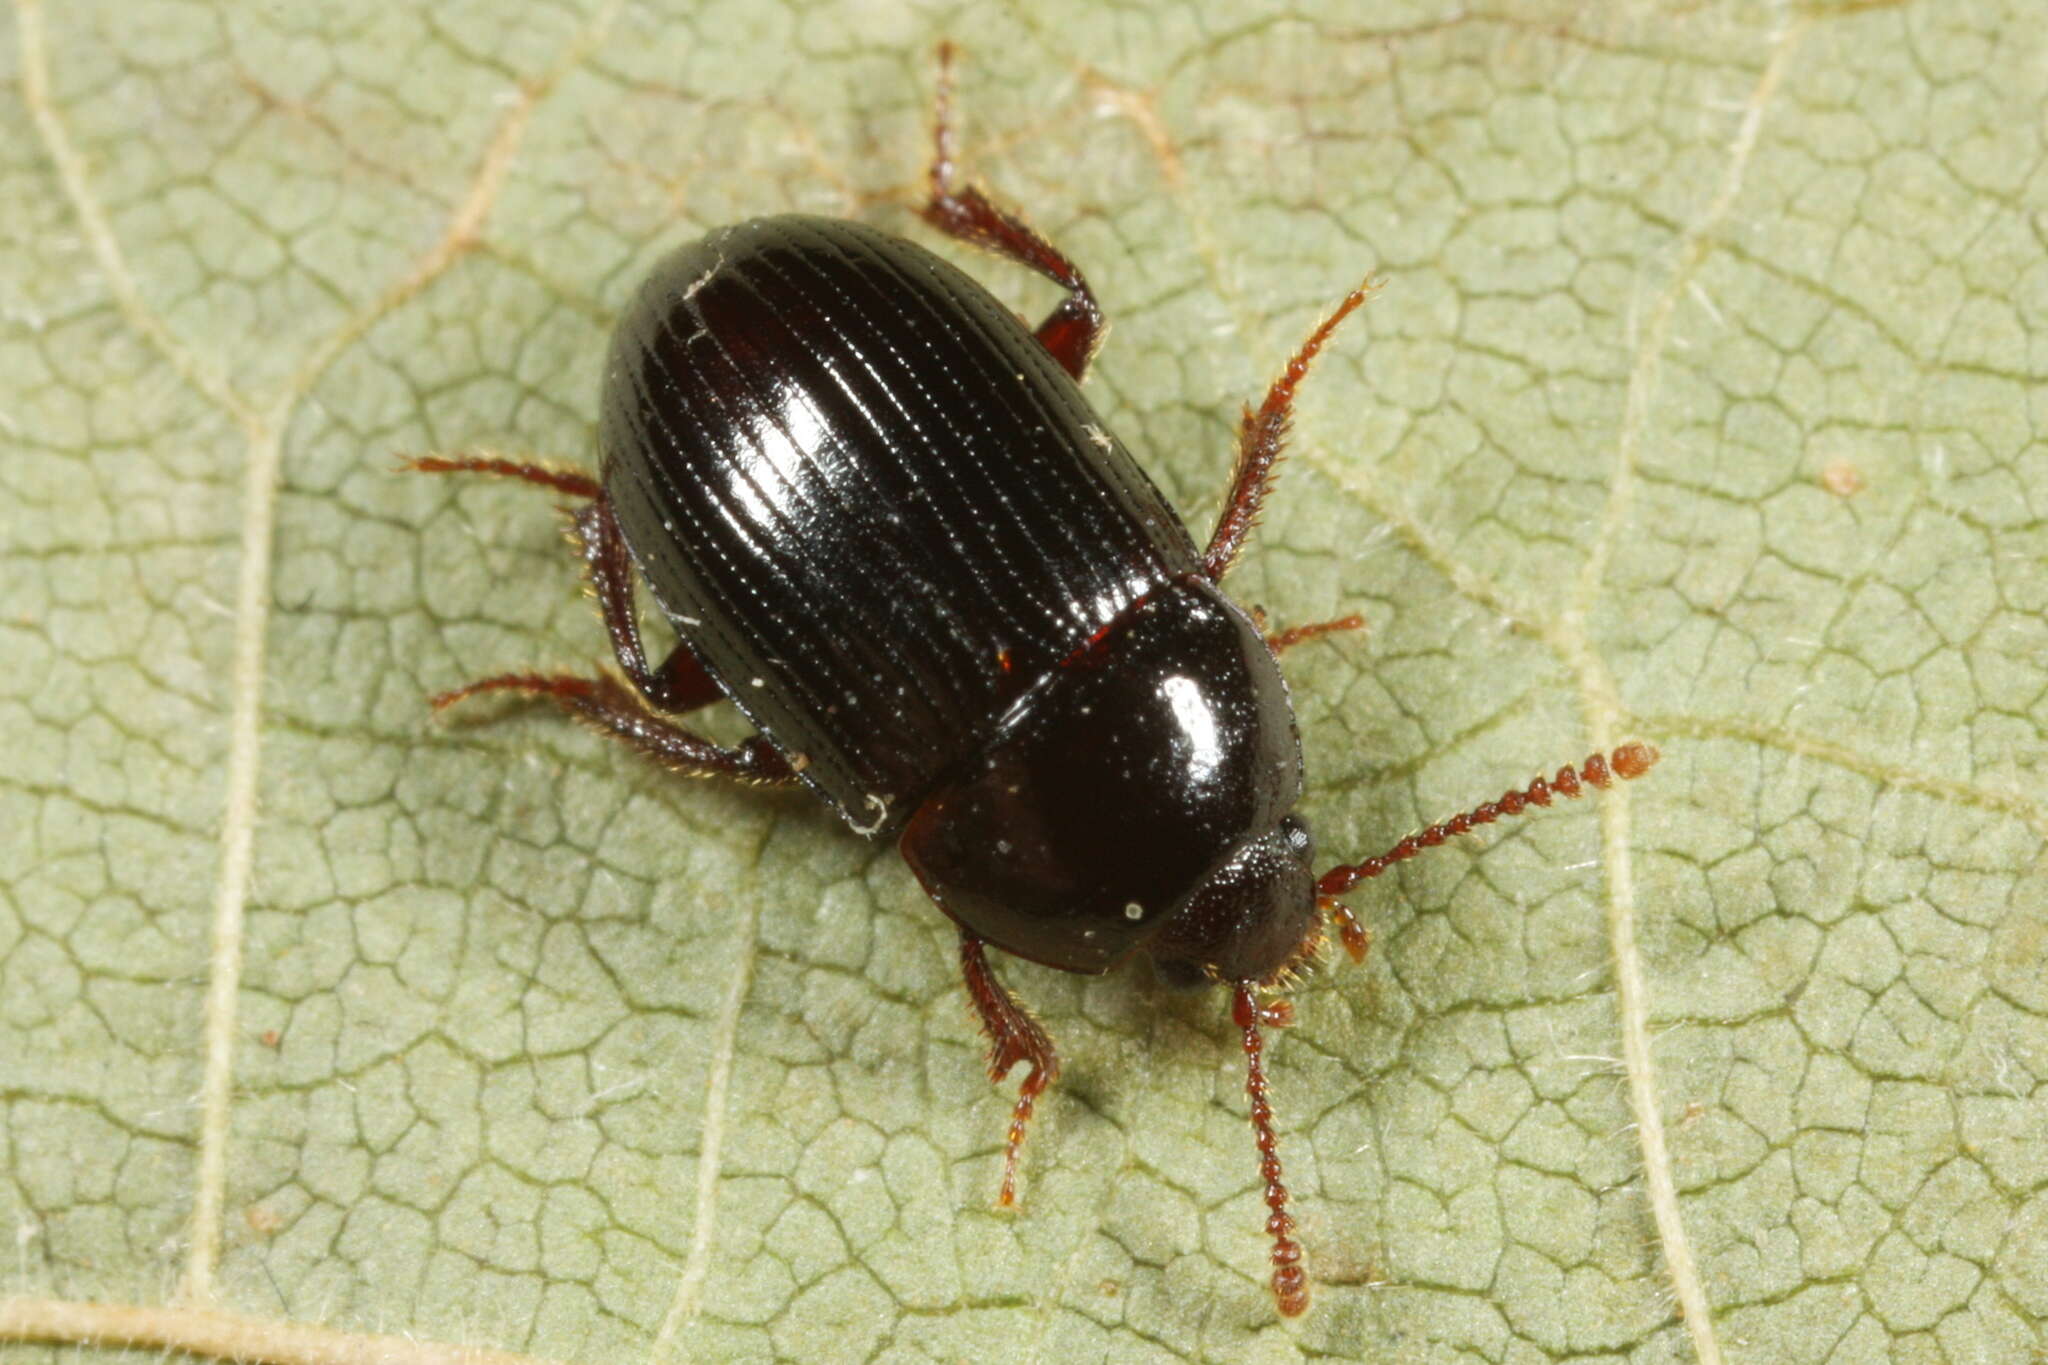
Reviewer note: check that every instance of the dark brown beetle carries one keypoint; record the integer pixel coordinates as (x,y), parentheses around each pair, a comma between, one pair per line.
(887,525)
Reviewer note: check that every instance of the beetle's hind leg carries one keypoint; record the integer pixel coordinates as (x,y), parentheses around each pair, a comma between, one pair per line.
(574,482)
(1072,331)
(1013,1037)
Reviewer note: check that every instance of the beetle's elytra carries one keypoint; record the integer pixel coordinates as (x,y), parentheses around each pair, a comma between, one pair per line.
(887,525)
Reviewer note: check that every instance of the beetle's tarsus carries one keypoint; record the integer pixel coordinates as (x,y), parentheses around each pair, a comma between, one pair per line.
(1280,641)
(561,478)
(1014,1036)
(613,709)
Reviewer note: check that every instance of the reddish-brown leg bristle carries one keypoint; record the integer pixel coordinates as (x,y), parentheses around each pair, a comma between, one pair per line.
(1355,936)
(529,684)
(1290,1279)
(1599,770)
(1280,641)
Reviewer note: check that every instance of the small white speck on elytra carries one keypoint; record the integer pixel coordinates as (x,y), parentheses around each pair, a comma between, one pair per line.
(1133,910)
(703,279)
(880,806)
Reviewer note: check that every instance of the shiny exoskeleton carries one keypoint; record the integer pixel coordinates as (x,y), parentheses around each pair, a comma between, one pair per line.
(885,523)
(893,531)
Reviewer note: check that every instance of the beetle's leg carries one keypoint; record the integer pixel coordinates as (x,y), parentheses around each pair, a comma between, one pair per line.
(680,684)
(1261,434)
(1013,1037)
(1281,641)
(613,709)
(573,482)
(1072,331)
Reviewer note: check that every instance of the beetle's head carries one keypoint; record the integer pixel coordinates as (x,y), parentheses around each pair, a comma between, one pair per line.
(1253,919)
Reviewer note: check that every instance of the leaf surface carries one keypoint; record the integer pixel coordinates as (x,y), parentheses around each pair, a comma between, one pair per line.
(1702,404)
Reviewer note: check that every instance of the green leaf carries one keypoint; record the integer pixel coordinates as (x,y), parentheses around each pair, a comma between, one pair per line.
(1702,404)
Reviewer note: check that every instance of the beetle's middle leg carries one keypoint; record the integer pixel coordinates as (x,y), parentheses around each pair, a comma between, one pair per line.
(634,717)
(680,682)
(1261,435)
(613,709)
(1280,641)
(1072,331)
(1013,1037)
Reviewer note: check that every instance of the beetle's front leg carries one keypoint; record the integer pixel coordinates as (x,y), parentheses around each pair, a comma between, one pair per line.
(1014,1036)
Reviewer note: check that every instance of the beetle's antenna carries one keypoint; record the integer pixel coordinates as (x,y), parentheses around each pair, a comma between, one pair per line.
(1630,760)
(1290,1281)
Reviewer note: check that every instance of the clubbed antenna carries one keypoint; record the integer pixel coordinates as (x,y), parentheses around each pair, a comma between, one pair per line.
(1630,760)
(1290,1280)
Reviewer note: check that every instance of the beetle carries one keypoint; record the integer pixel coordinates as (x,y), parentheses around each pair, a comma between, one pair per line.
(887,525)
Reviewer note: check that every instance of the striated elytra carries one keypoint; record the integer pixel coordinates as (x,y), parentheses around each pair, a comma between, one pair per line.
(878,507)
(886,524)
